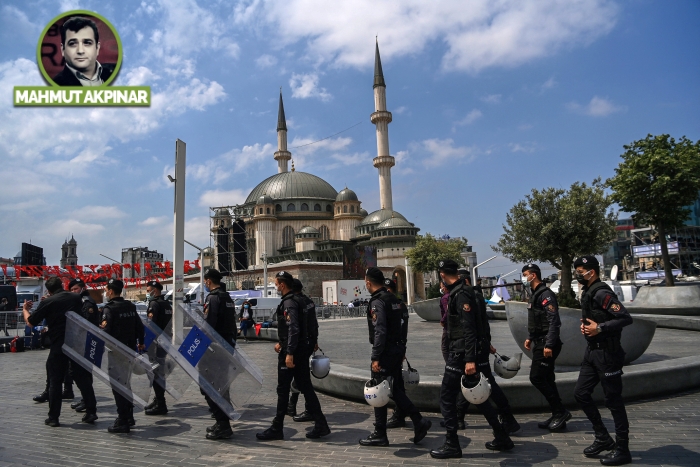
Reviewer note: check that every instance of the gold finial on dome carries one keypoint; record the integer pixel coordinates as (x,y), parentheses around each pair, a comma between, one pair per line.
(292,165)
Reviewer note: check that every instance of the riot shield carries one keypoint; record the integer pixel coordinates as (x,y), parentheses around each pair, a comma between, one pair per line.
(110,361)
(168,374)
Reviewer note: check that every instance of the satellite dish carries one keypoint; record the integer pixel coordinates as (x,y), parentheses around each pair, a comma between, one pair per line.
(613,273)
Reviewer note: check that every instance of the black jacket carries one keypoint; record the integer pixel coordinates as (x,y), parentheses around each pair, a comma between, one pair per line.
(160,311)
(89,309)
(220,313)
(66,77)
(121,321)
(54,309)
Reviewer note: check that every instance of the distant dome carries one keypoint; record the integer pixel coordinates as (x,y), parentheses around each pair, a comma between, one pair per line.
(379,216)
(264,199)
(222,213)
(346,194)
(208,251)
(307,230)
(289,185)
(363,212)
(394,222)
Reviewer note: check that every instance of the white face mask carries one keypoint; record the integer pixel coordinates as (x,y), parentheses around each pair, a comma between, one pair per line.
(148,296)
(526,281)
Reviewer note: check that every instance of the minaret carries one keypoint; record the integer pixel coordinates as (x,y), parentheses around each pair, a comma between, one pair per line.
(282,155)
(381,118)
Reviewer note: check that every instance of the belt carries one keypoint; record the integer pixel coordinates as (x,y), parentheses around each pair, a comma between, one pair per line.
(610,345)
(539,340)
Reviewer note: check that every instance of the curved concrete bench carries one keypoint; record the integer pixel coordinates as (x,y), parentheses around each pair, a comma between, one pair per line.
(429,310)
(682,300)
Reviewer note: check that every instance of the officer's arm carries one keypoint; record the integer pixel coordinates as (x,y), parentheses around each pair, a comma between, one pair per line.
(139,330)
(467,312)
(313,326)
(379,329)
(292,310)
(39,315)
(213,310)
(549,302)
(107,320)
(370,324)
(610,303)
(153,311)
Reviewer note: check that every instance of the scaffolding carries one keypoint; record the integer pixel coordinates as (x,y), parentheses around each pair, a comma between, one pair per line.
(231,246)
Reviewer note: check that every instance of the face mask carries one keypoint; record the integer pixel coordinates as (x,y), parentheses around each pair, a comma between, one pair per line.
(148,296)
(206,289)
(246,307)
(526,281)
(581,278)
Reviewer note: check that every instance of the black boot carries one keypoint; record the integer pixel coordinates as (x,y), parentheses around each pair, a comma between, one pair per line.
(545,424)
(509,423)
(152,404)
(396,421)
(375,438)
(603,442)
(620,456)
(159,409)
(320,429)
(558,423)
(221,430)
(272,433)
(75,405)
(120,426)
(460,420)
(420,429)
(67,394)
(292,406)
(501,442)
(90,418)
(305,416)
(449,450)
(43,397)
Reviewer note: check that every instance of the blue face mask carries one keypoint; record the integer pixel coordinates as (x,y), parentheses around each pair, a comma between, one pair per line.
(206,289)
(246,307)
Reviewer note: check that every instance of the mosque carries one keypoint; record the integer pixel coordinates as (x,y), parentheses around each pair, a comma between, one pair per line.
(294,216)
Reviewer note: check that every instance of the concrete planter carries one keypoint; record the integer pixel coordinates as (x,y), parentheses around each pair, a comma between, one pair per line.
(635,338)
(682,300)
(429,310)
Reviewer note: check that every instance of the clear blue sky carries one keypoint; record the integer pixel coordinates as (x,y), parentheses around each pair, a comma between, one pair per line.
(488,102)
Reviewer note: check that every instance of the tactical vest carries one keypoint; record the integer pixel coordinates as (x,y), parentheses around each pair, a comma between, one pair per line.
(456,323)
(163,306)
(89,302)
(591,310)
(302,314)
(396,319)
(226,319)
(310,322)
(124,316)
(537,322)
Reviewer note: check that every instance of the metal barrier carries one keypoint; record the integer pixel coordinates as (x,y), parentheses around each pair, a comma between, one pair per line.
(11,323)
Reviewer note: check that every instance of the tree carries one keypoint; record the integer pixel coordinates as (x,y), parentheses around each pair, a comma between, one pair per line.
(556,226)
(658,178)
(429,251)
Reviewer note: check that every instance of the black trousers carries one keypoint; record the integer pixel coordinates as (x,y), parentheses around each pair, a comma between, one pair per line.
(445,345)
(67,380)
(125,409)
(56,368)
(604,367)
(219,415)
(301,374)
(391,367)
(542,374)
(83,379)
(498,397)
(451,387)
(158,389)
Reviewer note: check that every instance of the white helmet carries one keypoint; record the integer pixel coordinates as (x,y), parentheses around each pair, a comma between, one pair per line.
(476,393)
(410,376)
(378,394)
(295,389)
(507,367)
(320,365)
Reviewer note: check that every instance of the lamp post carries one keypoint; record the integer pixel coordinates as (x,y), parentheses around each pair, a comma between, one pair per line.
(474,269)
(201,271)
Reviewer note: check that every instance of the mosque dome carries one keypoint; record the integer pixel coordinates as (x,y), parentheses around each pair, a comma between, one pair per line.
(222,213)
(394,222)
(289,185)
(346,194)
(264,199)
(363,212)
(379,216)
(308,230)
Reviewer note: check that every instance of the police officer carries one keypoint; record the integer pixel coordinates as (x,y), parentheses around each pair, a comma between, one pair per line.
(543,324)
(220,313)
(397,419)
(121,321)
(469,338)
(82,377)
(295,346)
(54,310)
(160,311)
(602,322)
(387,319)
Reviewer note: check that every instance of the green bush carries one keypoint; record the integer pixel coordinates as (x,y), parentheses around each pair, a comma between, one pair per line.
(568,299)
(433,291)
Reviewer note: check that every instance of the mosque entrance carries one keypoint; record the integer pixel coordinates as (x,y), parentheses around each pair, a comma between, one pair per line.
(399,275)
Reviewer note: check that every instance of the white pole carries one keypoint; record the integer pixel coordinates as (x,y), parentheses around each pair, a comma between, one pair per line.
(409,284)
(179,239)
(201,271)
(265,274)
(474,278)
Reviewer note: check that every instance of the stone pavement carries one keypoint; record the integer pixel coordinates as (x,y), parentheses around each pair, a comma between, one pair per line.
(664,431)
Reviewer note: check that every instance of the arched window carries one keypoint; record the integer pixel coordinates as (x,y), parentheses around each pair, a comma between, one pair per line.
(304,207)
(317,207)
(291,207)
(268,210)
(287,236)
(352,208)
(325,233)
(345,209)
(338,209)
(278,208)
(403,232)
(329,208)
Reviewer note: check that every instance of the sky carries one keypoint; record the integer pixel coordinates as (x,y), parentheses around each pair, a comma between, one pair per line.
(490,99)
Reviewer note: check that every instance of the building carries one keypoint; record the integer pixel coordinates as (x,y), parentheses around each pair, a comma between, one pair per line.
(143,262)
(620,251)
(69,253)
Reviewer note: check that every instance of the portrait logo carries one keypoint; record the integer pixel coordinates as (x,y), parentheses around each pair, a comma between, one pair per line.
(79,54)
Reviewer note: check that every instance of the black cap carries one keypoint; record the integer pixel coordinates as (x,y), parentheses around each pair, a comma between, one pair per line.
(73,282)
(213,274)
(298,285)
(390,284)
(588,262)
(155,285)
(375,275)
(531,267)
(464,273)
(116,285)
(448,266)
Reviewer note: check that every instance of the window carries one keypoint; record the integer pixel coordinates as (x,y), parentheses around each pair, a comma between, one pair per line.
(304,207)
(317,207)
(261,210)
(345,209)
(291,207)
(338,209)
(278,208)
(287,236)
(329,208)
(268,210)
(352,208)
(325,233)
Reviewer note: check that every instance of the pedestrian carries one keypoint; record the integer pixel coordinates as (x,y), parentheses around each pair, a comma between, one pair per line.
(53,309)
(246,319)
(295,346)
(387,319)
(160,312)
(603,317)
(543,325)
(220,313)
(469,339)
(121,321)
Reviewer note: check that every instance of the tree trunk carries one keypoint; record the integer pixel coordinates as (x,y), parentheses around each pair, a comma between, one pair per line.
(566,276)
(668,267)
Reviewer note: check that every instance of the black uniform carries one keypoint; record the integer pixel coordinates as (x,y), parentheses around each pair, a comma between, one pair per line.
(54,309)
(387,319)
(220,313)
(604,357)
(297,330)
(310,307)
(121,321)
(83,377)
(160,312)
(543,324)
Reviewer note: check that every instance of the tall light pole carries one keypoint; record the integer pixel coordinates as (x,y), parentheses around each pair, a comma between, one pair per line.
(201,271)
(179,238)
(474,278)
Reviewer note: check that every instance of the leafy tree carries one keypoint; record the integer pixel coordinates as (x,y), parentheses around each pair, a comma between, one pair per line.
(658,178)
(429,251)
(556,226)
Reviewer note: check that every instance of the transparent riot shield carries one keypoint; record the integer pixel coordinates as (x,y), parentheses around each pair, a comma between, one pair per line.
(110,361)
(168,374)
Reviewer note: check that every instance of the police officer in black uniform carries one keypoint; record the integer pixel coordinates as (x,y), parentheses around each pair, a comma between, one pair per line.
(469,338)
(387,319)
(160,312)
(82,377)
(220,313)
(121,321)
(543,325)
(54,310)
(602,322)
(295,346)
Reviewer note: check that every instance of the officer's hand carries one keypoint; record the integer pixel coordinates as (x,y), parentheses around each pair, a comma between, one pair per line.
(492,349)
(142,347)
(27,305)
(316,348)
(442,324)
(470,368)
(150,316)
(547,352)
(278,347)
(590,329)
(289,361)
(375,367)
(527,344)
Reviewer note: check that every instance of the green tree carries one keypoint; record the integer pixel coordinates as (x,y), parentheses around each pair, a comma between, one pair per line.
(556,226)
(429,251)
(657,179)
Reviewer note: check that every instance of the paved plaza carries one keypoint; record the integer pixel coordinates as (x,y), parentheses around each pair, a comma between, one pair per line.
(664,431)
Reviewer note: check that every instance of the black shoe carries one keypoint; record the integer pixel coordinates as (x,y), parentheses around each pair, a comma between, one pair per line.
(43,397)
(442,423)
(305,416)
(213,427)
(501,442)
(119,427)
(510,424)
(319,431)
(67,395)
(375,439)
(158,409)
(461,425)
(559,421)
(270,434)
(599,445)
(449,450)
(220,431)
(421,429)
(620,456)
(131,421)
(151,405)
(75,405)
(90,418)
(545,424)
(81,407)
(52,422)
(292,410)
(396,421)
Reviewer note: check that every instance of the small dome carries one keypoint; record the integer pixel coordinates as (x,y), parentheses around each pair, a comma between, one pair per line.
(222,213)
(308,230)
(363,212)
(379,216)
(346,194)
(394,222)
(208,251)
(264,199)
